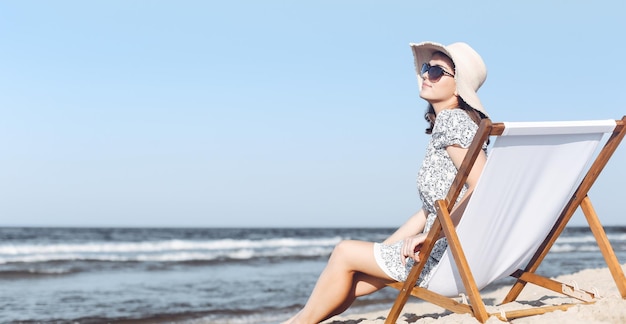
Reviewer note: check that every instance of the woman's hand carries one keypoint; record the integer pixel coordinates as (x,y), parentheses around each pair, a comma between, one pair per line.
(411,247)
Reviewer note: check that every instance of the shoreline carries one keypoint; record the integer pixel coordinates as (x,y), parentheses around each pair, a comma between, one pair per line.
(609,308)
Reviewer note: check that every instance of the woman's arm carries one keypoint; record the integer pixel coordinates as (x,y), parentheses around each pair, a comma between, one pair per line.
(457,154)
(414,225)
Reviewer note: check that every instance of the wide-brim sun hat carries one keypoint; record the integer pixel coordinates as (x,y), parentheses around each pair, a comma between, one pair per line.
(470,71)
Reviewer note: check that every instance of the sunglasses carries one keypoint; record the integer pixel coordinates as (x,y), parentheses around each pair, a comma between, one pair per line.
(435,72)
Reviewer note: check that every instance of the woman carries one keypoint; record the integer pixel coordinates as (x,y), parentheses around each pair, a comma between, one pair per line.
(449,77)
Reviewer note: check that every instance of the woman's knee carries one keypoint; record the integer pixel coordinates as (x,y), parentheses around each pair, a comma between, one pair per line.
(343,249)
(355,256)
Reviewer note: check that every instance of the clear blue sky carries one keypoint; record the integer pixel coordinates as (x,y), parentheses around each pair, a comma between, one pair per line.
(271,113)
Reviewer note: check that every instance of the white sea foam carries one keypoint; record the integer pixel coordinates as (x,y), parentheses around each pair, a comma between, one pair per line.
(590,238)
(208,250)
(167,251)
(170,245)
(560,248)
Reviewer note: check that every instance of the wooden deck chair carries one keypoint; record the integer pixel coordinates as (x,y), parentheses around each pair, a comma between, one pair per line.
(536,176)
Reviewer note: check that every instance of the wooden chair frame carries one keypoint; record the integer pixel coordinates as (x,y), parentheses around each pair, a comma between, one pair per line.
(444,224)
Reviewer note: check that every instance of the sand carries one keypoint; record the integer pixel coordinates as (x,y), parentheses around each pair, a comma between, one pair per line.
(609,308)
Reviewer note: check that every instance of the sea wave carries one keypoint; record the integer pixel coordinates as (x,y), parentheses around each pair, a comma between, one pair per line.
(168,251)
(614,238)
(179,250)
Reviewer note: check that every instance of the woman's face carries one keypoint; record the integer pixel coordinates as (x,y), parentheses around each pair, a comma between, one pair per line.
(440,92)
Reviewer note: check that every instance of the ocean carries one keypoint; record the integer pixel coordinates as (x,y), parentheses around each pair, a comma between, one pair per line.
(199,275)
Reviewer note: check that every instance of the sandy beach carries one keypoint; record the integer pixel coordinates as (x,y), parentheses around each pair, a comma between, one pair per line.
(610,307)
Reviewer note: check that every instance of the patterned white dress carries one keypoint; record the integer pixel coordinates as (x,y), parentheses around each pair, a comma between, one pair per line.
(452,127)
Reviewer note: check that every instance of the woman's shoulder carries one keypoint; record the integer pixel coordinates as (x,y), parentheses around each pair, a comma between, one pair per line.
(456,113)
(453,127)
(454,116)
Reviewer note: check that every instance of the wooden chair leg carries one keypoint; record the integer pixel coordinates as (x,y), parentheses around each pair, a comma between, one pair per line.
(478,306)
(605,245)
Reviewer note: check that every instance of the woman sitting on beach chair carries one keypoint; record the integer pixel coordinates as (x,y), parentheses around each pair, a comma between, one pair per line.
(449,77)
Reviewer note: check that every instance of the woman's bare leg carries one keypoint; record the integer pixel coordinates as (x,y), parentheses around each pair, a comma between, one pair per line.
(352,271)
(363,285)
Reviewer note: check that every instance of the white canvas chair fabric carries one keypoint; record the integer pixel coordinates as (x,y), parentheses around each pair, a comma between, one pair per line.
(530,175)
